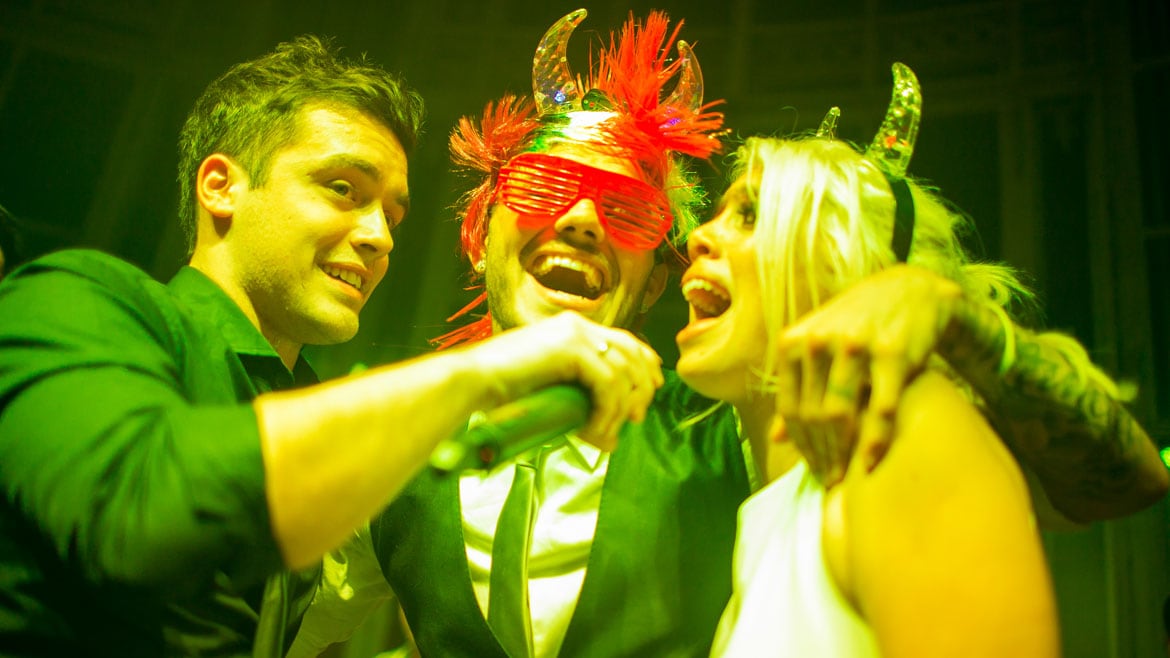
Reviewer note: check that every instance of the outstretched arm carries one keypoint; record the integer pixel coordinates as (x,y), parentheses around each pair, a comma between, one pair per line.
(1058,413)
(335,454)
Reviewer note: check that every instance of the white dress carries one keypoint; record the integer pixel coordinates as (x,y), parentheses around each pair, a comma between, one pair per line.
(784,601)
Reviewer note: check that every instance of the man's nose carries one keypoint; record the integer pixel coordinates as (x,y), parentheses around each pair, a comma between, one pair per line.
(581,223)
(373,233)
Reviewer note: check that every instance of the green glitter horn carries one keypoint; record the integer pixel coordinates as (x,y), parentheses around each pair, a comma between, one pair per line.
(893,145)
(828,128)
(891,150)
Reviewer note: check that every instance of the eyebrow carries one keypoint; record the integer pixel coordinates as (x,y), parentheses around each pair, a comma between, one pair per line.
(735,193)
(734,190)
(740,190)
(346,161)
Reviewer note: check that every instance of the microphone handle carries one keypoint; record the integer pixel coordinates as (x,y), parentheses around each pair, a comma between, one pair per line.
(514,428)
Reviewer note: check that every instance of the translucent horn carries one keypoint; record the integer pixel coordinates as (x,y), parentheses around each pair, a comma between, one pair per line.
(894,143)
(829,123)
(689,90)
(553,85)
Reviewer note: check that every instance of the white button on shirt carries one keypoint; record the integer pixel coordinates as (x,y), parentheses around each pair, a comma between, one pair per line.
(569,478)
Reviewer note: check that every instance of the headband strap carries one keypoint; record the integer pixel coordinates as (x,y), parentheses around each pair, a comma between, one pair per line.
(903,216)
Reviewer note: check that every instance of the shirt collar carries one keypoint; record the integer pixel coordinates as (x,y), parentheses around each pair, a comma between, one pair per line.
(207,300)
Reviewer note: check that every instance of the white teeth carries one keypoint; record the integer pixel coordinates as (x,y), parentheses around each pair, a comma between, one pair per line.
(702,284)
(707,297)
(352,278)
(592,274)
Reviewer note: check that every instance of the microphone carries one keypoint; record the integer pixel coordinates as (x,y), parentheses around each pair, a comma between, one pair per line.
(514,428)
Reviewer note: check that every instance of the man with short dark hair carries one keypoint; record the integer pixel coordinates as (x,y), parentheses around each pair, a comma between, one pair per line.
(164,449)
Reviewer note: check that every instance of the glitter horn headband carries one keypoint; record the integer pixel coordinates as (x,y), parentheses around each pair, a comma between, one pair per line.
(556,90)
(891,149)
(894,143)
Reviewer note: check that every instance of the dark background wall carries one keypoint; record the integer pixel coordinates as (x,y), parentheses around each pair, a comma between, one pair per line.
(1044,119)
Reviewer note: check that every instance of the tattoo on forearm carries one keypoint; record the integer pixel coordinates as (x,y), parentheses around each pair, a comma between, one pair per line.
(1088,443)
(1051,408)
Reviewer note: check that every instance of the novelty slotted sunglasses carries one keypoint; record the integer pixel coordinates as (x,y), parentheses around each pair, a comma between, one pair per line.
(540,187)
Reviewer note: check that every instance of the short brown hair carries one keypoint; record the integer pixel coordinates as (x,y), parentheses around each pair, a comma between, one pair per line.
(251,111)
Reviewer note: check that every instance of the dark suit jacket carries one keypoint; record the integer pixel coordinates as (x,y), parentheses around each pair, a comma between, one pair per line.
(659,573)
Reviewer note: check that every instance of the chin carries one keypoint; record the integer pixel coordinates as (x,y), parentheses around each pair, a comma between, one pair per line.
(527,312)
(336,330)
(718,383)
(694,376)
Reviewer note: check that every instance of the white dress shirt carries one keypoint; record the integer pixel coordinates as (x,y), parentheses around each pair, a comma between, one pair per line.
(569,478)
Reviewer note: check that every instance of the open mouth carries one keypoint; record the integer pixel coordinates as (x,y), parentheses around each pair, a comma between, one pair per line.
(569,275)
(352,278)
(709,300)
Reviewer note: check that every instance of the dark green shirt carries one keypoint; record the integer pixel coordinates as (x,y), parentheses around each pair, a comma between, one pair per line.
(133,519)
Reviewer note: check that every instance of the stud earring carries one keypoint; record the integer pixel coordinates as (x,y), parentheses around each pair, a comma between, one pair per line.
(480,266)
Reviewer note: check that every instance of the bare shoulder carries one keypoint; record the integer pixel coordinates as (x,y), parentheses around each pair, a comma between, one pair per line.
(945,459)
(942,532)
(941,433)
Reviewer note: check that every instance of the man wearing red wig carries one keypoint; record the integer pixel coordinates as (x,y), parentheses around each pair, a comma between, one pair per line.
(630,549)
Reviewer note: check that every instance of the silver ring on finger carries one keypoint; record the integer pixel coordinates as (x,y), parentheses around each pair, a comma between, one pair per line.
(602,347)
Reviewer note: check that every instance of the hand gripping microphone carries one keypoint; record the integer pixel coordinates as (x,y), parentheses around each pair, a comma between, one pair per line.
(515,428)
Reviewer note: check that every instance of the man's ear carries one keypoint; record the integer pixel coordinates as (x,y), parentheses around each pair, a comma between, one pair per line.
(655,286)
(217,184)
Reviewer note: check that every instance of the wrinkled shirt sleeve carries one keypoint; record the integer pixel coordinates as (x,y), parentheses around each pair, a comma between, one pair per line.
(123,435)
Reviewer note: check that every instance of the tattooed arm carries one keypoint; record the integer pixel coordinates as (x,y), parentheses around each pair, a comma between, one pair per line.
(843,368)
(1058,413)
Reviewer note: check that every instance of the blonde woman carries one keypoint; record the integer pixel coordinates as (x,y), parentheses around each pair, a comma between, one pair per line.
(935,550)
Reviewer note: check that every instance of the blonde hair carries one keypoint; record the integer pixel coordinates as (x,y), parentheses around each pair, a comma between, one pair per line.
(825,219)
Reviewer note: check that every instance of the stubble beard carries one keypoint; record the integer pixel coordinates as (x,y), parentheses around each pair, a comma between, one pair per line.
(501,301)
